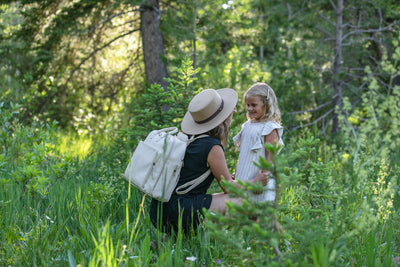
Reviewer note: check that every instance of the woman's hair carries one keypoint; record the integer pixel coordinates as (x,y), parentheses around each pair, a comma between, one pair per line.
(267,95)
(221,132)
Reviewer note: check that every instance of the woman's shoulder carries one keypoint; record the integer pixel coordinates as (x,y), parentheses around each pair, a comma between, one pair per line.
(210,140)
(203,145)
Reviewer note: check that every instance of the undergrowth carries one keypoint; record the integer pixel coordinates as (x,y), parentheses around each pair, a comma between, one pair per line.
(64,201)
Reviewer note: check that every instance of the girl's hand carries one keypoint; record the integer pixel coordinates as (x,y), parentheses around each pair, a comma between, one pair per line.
(262,176)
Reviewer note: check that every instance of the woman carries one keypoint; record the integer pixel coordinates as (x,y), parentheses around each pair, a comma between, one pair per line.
(210,112)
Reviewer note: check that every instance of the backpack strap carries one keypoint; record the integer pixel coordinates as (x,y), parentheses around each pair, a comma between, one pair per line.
(192,139)
(192,184)
(169,130)
(180,190)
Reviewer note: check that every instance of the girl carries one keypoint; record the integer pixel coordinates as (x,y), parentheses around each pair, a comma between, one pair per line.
(263,126)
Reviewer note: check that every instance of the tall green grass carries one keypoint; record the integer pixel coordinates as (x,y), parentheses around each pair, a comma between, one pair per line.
(64,200)
(74,145)
(60,207)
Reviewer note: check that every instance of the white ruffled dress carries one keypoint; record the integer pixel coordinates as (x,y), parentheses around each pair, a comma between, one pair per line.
(250,142)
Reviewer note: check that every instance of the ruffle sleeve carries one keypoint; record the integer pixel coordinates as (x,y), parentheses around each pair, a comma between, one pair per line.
(269,126)
(236,138)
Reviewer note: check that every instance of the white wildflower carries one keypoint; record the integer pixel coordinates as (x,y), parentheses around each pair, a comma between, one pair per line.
(191,258)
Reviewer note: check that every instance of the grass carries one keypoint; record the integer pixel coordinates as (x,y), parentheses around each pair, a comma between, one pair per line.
(77,146)
(74,208)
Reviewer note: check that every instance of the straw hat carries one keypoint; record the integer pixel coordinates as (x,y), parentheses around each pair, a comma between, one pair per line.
(208,109)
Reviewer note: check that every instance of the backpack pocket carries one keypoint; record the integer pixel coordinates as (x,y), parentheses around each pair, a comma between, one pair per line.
(141,166)
(167,180)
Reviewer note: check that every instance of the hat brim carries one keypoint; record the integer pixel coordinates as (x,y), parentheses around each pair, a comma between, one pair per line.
(189,126)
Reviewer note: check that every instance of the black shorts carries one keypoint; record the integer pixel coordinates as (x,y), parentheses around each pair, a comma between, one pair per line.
(188,207)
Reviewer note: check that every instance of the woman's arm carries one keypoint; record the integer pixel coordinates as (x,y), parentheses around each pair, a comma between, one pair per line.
(216,160)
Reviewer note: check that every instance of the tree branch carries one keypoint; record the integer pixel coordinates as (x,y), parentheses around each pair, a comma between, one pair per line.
(325,18)
(289,11)
(97,50)
(354,69)
(326,32)
(361,31)
(333,5)
(310,110)
(315,121)
(293,15)
(128,22)
(358,41)
(355,76)
(110,18)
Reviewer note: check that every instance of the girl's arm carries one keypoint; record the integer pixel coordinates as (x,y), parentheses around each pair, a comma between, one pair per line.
(216,160)
(271,139)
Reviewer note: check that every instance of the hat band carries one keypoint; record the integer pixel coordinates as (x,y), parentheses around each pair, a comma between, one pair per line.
(213,115)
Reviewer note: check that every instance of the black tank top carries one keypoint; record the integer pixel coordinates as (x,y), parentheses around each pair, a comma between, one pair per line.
(195,163)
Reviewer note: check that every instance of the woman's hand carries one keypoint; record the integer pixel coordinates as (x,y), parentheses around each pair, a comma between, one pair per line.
(216,160)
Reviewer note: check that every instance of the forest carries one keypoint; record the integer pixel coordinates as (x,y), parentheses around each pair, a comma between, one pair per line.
(83,81)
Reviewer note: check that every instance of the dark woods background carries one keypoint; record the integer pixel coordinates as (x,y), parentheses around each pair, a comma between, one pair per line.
(81,62)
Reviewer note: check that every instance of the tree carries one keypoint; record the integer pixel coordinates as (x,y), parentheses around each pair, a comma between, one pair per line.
(353,32)
(85,54)
(84,58)
(153,46)
(321,51)
(354,28)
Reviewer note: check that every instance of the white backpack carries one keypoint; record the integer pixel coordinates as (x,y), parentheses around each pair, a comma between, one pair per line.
(156,164)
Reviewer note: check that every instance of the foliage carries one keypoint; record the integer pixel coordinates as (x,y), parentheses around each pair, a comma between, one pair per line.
(58,197)
(157,108)
(319,218)
(330,211)
(63,199)
(73,60)
(334,198)
(249,233)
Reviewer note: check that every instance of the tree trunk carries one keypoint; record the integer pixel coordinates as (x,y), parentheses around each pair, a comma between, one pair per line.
(194,34)
(337,66)
(152,42)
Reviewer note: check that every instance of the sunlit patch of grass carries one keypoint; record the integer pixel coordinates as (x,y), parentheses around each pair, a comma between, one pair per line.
(74,145)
